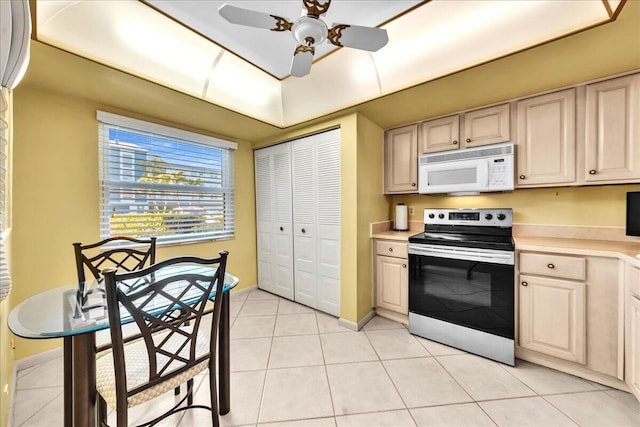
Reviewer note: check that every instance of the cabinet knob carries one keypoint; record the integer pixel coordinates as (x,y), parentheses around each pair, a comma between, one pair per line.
(525,284)
(281,228)
(304,231)
(468,139)
(390,249)
(592,172)
(413,184)
(522,177)
(551,266)
(404,265)
(455,142)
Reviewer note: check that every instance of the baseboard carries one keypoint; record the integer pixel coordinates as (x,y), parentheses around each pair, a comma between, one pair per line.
(38,359)
(356,326)
(244,290)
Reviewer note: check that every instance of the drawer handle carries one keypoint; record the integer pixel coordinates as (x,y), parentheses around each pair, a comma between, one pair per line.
(390,249)
(404,265)
(551,266)
(525,284)
(468,140)
(455,142)
(592,172)
(413,184)
(522,177)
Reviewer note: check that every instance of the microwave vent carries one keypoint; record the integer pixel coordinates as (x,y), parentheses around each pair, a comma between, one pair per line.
(474,153)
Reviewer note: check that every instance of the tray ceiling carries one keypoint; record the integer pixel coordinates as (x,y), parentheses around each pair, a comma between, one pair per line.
(186,46)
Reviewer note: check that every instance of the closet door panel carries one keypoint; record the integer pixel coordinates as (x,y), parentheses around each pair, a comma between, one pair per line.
(329,269)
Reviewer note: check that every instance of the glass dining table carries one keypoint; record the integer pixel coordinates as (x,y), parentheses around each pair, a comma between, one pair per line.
(75,313)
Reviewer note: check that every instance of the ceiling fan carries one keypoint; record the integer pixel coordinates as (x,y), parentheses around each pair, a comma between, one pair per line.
(309,31)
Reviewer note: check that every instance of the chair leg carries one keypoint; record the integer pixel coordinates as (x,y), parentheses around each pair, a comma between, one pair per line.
(213,392)
(102,412)
(190,390)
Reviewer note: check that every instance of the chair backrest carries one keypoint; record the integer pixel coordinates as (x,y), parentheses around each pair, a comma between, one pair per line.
(95,258)
(152,296)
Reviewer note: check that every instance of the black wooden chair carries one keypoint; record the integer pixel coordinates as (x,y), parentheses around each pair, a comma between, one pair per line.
(170,351)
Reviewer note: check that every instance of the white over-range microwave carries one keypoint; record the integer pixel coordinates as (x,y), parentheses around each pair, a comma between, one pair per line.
(467,171)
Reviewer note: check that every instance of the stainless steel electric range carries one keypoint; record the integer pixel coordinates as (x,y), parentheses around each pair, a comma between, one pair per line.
(461,281)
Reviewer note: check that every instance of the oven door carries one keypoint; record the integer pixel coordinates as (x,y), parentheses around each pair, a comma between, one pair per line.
(472,288)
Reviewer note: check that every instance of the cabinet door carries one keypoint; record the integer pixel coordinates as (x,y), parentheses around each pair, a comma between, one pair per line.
(392,284)
(316,217)
(552,317)
(487,126)
(401,160)
(274,219)
(546,140)
(612,149)
(632,330)
(440,134)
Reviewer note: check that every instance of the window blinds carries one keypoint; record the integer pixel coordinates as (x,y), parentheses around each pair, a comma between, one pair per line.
(164,182)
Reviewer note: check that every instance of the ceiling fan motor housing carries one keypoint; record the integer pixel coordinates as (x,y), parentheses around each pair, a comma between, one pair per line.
(309,31)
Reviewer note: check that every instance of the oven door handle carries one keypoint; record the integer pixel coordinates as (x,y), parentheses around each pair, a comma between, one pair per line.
(465,254)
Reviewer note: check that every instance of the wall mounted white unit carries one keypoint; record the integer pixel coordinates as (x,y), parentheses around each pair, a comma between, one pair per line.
(298,220)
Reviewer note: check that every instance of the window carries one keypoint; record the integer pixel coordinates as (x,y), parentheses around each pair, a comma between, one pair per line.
(164,182)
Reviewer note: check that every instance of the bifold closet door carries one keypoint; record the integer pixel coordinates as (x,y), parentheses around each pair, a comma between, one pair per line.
(274,219)
(316,220)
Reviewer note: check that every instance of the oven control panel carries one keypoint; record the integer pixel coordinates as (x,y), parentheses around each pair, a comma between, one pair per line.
(476,217)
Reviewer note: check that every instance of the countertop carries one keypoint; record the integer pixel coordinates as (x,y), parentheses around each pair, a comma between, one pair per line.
(628,251)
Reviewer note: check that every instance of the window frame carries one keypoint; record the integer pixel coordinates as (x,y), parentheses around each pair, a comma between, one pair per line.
(108,121)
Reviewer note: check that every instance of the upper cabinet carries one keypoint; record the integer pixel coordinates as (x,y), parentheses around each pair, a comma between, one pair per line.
(612,139)
(440,134)
(487,126)
(546,139)
(484,126)
(588,134)
(401,160)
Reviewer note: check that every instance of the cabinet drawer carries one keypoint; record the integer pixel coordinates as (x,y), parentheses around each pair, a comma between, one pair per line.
(394,249)
(558,266)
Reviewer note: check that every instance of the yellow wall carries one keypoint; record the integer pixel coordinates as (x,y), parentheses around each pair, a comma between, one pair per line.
(602,205)
(56,197)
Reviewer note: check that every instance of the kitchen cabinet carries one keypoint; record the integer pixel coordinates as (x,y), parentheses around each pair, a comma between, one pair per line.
(392,276)
(441,134)
(553,317)
(298,220)
(483,126)
(612,137)
(546,139)
(569,313)
(401,160)
(632,330)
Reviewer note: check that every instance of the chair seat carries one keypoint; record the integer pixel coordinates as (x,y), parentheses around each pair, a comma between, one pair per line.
(138,368)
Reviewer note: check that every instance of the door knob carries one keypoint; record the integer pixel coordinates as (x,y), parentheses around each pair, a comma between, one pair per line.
(281,228)
(390,249)
(522,177)
(404,265)
(304,231)
(468,140)
(551,266)
(525,284)
(592,172)
(455,142)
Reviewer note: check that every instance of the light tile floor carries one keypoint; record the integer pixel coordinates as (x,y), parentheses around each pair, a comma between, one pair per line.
(295,367)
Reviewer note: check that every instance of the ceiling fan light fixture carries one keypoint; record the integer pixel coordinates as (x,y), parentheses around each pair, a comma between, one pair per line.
(309,31)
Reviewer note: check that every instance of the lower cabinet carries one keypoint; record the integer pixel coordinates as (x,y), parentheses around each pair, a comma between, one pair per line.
(391,276)
(632,330)
(553,317)
(570,314)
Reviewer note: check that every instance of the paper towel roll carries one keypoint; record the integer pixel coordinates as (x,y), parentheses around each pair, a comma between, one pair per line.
(401,218)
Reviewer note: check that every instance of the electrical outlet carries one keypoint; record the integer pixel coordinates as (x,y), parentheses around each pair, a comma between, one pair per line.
(411,211)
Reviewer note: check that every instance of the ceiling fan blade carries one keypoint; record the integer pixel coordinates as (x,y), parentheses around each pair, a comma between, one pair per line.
(302,58)
(252,18)
(357,37)
(316,7)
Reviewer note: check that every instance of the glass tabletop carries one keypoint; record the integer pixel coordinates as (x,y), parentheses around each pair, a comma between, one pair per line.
(78,309)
